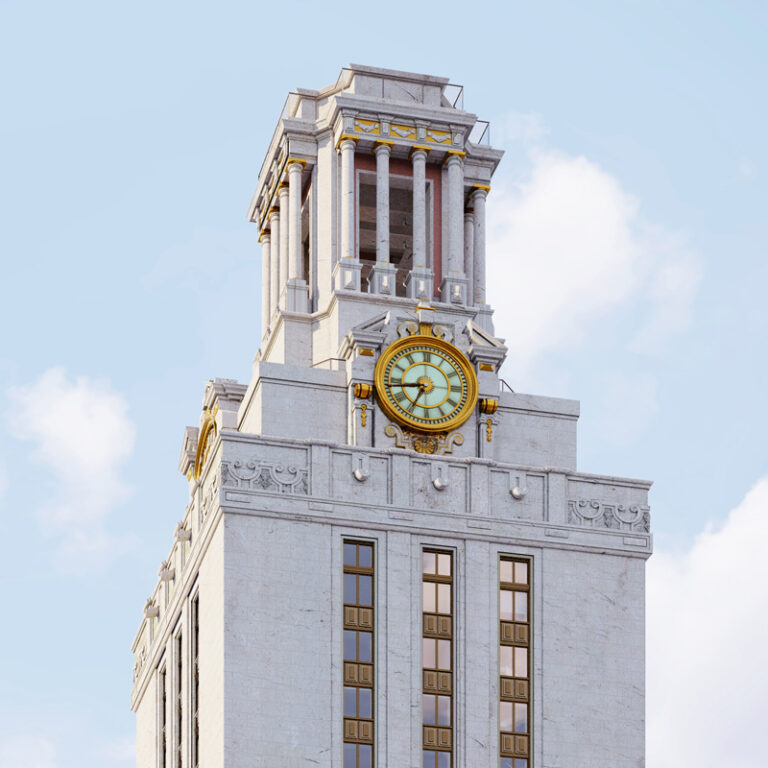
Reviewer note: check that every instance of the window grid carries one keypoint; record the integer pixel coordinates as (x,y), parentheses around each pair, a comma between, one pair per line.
(437,659)
(179,703)
(514,663)
(358,654)
(195,693)
(162,682)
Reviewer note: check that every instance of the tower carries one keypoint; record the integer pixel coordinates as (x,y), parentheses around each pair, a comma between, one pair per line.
(389,558)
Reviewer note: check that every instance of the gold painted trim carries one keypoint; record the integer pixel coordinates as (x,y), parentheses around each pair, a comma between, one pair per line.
(344,137)
(488,405)
(403,131)
(417,147)
(483,187)
(365,352)
(486,367)
(362,390)
(263,232)
(443,346)
(297,160)
(367,127)
(208,432)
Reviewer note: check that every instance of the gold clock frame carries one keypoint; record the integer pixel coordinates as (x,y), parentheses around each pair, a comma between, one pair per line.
(440,344)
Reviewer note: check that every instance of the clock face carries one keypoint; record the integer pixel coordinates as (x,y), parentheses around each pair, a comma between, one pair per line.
(426,383)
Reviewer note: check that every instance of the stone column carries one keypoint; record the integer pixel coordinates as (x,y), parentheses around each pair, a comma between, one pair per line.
(274,276)
(479,196)
(453,287)
(347,271)
(282,195)
(419,282)
(383,275)
(265,282)
(469,254)
(483,318)
(297,291)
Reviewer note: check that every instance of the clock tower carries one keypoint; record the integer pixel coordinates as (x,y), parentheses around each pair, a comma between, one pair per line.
(388,557)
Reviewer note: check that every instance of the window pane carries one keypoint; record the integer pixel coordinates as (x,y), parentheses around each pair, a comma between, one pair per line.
(443,760)
(444,565)
(350,554)
(505,661)
(428,562)
(506,762)
(443,598)
(365,640)
(429,759)
(366,756)
(428,596)
(443,710)
(521,763)
(350,645)
(521,606)
(521,662)
(506,571)
(428,653)
(350,702)
(428,709)
(365,586)
(521,718)
(350,756)
(505,716)
(443,654)
(365,553)
(521,573)
(505,605)
(365,702)
(350,588)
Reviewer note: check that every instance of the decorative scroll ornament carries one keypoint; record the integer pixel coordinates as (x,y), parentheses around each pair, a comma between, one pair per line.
(592,513)
(208,433)
(436,330)
(264,476)
(436,444)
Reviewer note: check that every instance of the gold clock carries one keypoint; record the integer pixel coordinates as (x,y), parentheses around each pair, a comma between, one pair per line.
(425,383)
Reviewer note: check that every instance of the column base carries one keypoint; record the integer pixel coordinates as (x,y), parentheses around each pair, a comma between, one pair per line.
(346,275)
(453,289)
(382,279)
(297,296)
(418,284)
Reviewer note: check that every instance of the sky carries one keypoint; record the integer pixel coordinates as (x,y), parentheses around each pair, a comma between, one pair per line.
(627,246)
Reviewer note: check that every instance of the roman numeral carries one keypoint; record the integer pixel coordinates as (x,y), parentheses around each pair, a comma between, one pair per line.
(456,388)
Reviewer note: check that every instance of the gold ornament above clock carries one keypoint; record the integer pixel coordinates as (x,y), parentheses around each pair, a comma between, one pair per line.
(426,384)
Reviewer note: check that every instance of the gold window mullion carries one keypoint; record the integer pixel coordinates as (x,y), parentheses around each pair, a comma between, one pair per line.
(359,654)
(437,659)
(514,663)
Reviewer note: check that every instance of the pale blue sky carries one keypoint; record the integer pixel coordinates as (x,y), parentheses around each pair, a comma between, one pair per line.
(131,137)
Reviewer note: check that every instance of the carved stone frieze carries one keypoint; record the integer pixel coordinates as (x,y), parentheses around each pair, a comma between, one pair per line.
(593,513)
(260,475)
(434,444)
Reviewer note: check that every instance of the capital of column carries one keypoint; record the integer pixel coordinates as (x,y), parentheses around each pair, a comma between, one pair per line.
(264,236)
(383,146)
(453,158)
(345,140)
(418,151)
(480,190)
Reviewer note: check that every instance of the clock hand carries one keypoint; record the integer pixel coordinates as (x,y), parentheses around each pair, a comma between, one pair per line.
(413,404)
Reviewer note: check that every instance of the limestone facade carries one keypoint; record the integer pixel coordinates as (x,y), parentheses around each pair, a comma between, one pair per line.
(282,471)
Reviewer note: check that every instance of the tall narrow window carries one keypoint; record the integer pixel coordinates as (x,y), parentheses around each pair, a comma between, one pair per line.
(179,704)
(163,720)
(437,658)
(514,663)
(195,697)
(358,654)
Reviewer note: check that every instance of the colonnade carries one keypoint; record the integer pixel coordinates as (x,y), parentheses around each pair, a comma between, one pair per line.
(282,251)
(463,278)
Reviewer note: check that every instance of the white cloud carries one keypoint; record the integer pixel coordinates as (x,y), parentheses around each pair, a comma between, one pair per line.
(707,639)
(82,436)
(27,752)
(568,250)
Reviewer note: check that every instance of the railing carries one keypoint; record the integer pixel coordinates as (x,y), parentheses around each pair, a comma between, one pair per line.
(481,133)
